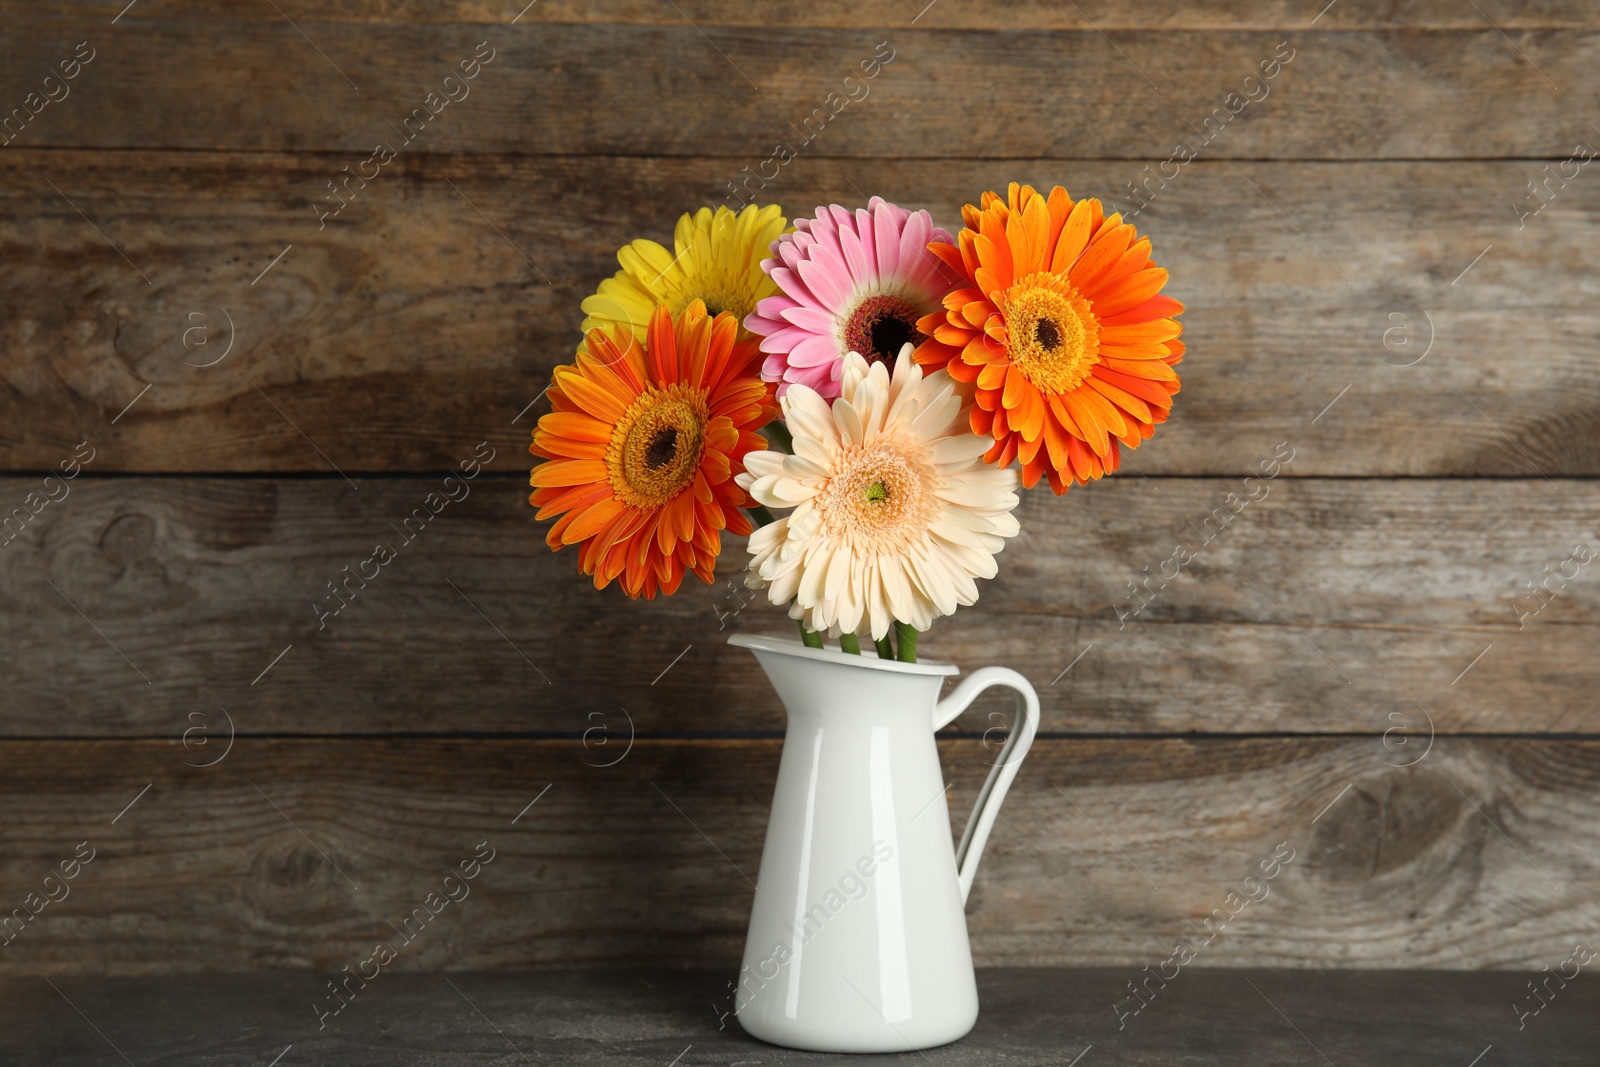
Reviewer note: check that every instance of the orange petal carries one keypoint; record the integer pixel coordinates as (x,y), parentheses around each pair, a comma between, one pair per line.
(574,426)
(663,354)
(590,397)
(1130,292)
(1059,206)
(994,251)
(1087,419)
(1148,391)
(1119,398)
(592,520)
(1141,333)
(1101,255)
(950,255)
(1063,417)
(1074,237)
(1016,386)
(568,472)
(1157,351)
(566,448)
(1031,416)
(1154,369)
(1135,259)
(1157,307)
(1105,412)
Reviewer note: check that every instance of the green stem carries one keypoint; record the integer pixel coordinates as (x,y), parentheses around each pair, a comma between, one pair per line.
(761,516)
(885,650)
(811,638)
(778,436)
(850,643)
(906,635)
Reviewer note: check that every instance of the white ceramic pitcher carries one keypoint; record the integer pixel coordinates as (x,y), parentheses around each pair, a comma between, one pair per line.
(858,936)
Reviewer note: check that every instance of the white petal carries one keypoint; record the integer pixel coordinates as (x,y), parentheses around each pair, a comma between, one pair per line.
(848,421)
(814,571)
(761,464)
(962,450)
(877,600)
(791,491)
(838,578)
(810,450)
(966,494)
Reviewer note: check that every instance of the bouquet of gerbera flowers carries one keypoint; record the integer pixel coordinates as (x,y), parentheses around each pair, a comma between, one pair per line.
(887,384)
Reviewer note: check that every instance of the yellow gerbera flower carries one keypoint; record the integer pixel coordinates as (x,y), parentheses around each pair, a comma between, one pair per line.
(716,259)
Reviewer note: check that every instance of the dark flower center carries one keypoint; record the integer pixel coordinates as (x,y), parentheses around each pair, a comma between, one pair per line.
(662,448)
(889,335)
(880,326)
(1048,334)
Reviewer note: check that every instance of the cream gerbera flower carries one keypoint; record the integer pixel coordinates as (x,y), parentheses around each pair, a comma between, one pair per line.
(895,512)
(716,258)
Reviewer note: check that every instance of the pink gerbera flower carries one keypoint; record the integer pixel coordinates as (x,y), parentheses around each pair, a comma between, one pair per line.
(848,283)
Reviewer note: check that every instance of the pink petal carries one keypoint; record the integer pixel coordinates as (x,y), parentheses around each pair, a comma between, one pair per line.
(855,259)
(887,232)
(816,350)
(789,252)
(785,339)
(868,246)
(914,242)
(827,229)
(894,213)
(773,306)
(794,285)
(764,326)
(816,378)
(830,283)
(811,319)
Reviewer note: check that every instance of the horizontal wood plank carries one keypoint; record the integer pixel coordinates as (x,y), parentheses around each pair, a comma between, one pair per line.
(412,325)
(1327,605)
(299,854)
(676,88)
(838,14)
(628,1017)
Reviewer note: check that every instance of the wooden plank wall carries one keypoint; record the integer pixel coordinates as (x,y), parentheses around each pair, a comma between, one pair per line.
(1355,665)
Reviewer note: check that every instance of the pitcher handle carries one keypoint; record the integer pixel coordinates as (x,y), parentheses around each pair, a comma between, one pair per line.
(993,793)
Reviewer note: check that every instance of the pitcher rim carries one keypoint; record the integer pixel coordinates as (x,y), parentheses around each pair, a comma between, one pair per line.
(788,646)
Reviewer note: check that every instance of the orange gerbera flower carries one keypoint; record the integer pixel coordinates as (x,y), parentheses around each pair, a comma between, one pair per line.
(1058,326)
(642,446)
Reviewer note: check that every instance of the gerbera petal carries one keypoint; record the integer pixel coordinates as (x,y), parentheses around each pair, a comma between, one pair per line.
(1099,257)
(1074,237)
(557,472)
(1157,307)
(830,283)
(1130,292)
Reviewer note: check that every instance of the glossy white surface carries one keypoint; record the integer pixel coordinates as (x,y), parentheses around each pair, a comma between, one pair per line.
(858,938)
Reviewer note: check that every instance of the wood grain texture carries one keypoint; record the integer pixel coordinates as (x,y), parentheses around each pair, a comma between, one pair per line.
(409,328)
(1324,607)
(1355,653)
(839,14)
(299,854)
(643,1018)
(258,84)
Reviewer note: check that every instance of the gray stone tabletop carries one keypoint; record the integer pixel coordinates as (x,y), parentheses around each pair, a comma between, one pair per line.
(675,1019)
